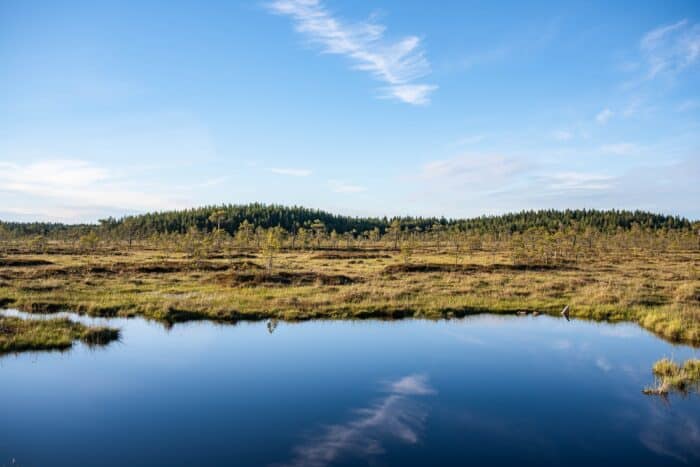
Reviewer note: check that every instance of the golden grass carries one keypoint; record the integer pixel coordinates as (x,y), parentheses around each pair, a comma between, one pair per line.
(659,291)
(17,335)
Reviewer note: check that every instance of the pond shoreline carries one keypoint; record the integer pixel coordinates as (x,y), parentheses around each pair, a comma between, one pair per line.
(659,293)
(156,367)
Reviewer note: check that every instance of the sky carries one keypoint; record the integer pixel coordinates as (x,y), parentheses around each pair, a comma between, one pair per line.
(381,107)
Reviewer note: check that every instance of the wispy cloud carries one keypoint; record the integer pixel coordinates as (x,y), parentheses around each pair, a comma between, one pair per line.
(397,64)
(671,48)
(413,385)
(603,116)
(291,172)
(339,186)
(620,149)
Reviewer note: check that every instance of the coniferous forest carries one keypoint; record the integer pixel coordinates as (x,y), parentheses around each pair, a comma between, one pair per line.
(230,217)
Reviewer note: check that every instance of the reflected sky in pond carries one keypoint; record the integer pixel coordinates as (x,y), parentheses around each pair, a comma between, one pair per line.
(496,389)
(395,416)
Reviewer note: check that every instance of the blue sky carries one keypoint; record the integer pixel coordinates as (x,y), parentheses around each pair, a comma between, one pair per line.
(365,108)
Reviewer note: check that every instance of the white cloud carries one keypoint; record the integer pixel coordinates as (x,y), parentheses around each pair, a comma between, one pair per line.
(476,185)
(671,48)
(291,172)
(603,116)
(48,173)
(67,189)
(620,149)
(396,64)
(340,186)
(411,93)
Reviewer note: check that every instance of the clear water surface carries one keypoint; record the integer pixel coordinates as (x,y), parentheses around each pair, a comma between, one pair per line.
(485,389)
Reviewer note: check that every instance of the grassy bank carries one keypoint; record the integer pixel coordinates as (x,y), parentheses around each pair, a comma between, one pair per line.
(659,290)
(17,335)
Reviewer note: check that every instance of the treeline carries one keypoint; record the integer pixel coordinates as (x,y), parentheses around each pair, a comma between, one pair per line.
(47,229)
(530,238)
(607,221)
(230,217)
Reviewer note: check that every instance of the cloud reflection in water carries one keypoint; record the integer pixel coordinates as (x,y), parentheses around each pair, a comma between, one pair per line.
(672,433)
(397,416)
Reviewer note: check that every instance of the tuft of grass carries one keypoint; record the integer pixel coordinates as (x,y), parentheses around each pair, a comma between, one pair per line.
(665,367)
(99,336)
(674,377)
(18,335)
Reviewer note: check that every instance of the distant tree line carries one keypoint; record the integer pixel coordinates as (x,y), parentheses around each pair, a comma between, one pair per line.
(230,217)
(529,237)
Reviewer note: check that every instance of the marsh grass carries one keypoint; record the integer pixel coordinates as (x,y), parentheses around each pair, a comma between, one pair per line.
(674,377)
(99,336)
(17,334)
(659,291)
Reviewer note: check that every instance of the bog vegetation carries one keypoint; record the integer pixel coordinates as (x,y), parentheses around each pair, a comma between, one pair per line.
(674,377)
(18,334)
(233,263)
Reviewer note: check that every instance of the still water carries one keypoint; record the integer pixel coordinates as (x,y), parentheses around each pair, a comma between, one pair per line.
(484,389)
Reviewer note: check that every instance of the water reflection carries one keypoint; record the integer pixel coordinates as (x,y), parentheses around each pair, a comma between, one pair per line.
(672,433)
(397,416)
(512,391)
(603,364)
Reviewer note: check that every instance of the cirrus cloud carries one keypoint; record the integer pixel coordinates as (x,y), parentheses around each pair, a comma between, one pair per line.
(397,64)
(671,48)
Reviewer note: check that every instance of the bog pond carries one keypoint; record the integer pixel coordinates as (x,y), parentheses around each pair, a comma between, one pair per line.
(502,390)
